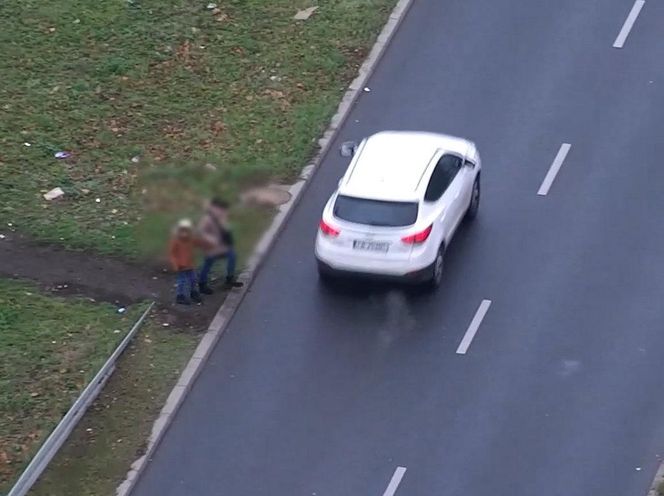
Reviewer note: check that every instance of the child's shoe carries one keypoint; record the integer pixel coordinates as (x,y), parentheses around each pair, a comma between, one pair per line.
(196,297)
(182,300)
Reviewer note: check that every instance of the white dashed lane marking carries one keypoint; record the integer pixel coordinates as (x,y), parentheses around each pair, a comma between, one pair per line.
(473,327)
(629,23)
(553,170)
(394,483)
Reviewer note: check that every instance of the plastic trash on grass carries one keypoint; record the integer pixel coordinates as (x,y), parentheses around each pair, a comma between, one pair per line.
(54,193)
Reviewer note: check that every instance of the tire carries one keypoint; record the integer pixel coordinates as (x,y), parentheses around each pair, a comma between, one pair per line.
(437,270)
(474,206)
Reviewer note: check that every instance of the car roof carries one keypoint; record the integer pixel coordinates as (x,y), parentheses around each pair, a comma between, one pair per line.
(390,165)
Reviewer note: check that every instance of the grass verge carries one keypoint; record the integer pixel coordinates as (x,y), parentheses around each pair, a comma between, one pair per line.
(161,103)
(49,350)
(113,432)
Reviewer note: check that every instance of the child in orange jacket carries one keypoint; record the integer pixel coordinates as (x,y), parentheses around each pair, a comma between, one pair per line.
(181,255)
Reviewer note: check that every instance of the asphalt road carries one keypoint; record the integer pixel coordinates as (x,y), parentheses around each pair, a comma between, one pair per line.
(326,392)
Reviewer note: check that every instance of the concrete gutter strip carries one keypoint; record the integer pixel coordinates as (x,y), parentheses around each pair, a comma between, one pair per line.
(659,479)
(234,298)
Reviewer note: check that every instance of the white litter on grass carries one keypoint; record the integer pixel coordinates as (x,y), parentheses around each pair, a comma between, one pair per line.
(211,6)
(303,15)
(165,324)
(61,155)
(122,310)
(97,200)
(54,193)
(27,144)
(136,159)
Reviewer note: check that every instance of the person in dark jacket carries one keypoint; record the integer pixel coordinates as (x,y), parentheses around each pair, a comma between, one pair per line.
(214,230)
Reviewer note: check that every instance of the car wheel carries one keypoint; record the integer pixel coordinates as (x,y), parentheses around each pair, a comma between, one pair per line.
(474,206)
(437,272)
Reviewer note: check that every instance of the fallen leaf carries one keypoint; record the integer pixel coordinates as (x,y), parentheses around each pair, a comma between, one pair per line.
(217,127)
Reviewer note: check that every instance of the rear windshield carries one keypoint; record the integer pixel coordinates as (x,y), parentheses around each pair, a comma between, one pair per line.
(375,212)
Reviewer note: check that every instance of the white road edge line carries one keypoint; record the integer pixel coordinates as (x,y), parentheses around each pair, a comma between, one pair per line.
(473,327)
(553,170)
(394,483)
(629,23)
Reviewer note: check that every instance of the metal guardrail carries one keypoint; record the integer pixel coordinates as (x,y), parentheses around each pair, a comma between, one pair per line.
(61,432)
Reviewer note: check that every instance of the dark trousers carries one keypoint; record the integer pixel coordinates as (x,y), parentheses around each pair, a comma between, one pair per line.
(186,283)
(204,272)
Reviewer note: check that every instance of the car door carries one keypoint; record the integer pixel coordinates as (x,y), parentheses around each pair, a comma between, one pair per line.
(467,178)
(444,192)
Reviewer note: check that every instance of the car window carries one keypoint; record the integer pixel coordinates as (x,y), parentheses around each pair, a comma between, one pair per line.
(446,169)
(375,212)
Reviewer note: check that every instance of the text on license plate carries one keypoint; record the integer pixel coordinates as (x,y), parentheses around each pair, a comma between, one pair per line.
(371,246)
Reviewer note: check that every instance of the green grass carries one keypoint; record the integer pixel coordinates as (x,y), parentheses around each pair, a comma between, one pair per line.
(246,89)
(113,433)
(211,102)
(49,350)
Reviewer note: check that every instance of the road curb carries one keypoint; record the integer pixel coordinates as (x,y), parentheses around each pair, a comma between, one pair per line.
(234,298)
(659,479)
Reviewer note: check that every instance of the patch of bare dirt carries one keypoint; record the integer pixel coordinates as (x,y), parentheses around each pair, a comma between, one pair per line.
(98,278)
(271,195)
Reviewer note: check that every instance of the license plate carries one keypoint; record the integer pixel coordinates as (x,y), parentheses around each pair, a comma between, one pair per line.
(371,246)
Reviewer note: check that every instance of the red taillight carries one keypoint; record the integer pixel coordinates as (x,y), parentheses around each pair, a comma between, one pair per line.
(417,238)
(327,229)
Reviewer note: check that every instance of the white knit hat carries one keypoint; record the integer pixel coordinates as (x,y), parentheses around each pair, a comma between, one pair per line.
(185,224)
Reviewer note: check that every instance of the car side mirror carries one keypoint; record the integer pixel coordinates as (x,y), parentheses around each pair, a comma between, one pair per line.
(348,148)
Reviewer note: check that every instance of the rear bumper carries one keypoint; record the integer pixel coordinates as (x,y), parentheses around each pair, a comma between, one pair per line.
(417,267)
(413,277)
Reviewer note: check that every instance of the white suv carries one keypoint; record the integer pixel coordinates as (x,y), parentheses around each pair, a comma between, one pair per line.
(398,205)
